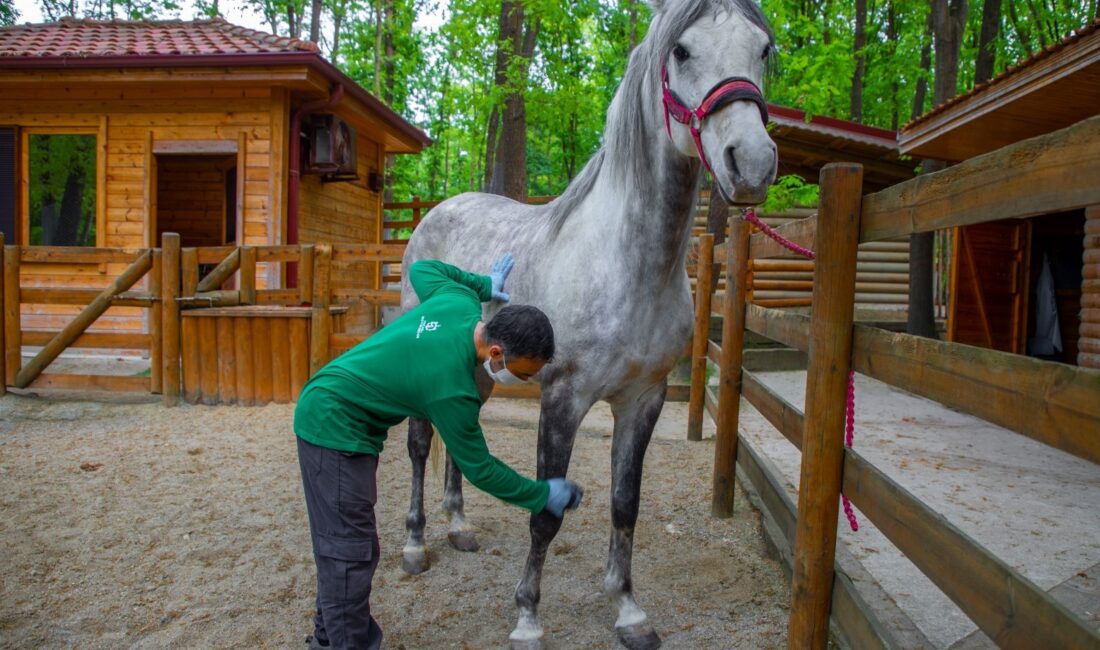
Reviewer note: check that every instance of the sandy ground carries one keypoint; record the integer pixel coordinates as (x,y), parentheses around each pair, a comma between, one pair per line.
(132,525)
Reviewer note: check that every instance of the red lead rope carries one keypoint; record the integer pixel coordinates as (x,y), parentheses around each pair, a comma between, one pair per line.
(850,410)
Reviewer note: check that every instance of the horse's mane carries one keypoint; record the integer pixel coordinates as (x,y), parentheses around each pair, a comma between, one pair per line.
(626,131)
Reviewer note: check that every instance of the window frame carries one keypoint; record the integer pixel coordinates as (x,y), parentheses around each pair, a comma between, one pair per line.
(23,216)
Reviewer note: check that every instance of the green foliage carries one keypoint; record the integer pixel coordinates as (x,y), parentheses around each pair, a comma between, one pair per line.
(62,189)
(8,13)
(790,192)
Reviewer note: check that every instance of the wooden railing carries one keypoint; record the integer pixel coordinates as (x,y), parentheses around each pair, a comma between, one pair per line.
(1055,404)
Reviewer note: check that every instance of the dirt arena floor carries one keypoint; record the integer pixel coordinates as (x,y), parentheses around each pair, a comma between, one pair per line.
(136,526)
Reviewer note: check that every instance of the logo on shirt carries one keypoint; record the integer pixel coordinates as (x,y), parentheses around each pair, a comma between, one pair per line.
(426,326)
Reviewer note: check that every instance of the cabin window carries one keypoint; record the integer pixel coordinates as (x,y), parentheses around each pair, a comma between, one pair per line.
(61,189)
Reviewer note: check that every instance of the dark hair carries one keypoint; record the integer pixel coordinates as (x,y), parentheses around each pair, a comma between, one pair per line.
(523,331)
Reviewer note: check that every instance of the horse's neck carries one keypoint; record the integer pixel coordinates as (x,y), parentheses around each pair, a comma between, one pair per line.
(645,210)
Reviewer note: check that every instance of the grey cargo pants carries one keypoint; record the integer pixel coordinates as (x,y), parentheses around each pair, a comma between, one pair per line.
(340,493)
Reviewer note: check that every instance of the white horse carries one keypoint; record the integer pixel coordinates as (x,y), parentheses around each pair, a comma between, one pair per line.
(606,262)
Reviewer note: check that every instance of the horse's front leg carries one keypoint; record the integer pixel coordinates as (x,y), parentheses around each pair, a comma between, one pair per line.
(414,556)
(461,533)
(634,422)
(561,414)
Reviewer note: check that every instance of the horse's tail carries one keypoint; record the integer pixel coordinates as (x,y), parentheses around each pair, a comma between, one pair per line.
(435,452)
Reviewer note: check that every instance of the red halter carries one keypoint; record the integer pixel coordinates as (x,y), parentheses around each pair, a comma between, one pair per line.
(728,90)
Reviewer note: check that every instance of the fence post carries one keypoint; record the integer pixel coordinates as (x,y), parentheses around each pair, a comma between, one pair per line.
(321,319)
(13,335)
(704,280)
(248,276)
(3,355)
(830,358)
(170,324)
(156,324)
(729,369)
(305,273)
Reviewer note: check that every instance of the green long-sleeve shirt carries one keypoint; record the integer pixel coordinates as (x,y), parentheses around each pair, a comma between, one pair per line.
(420,365)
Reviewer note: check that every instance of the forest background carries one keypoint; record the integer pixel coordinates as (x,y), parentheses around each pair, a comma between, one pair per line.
(514,92)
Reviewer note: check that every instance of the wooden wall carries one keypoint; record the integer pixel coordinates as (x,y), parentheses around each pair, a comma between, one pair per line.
(346,212)
(191,198)
(129,121)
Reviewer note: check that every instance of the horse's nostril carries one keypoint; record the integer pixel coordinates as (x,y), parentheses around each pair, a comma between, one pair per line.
(731,162)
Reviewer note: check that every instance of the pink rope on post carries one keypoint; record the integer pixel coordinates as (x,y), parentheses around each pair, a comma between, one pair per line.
(849,431)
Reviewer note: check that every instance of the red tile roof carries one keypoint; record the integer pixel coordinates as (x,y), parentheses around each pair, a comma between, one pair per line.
(71,37)
(1011,71)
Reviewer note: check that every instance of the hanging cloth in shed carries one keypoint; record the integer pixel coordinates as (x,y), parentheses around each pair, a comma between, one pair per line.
(1048,335)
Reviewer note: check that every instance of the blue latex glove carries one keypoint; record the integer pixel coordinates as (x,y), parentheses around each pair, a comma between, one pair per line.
(499,273)
(564,495)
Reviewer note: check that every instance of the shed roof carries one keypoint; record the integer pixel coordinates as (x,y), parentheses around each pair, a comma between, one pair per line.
(807,146)
(1052,89)
(98,38)
(109,44)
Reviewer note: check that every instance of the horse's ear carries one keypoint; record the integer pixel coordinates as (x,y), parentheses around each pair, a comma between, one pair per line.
(656,5)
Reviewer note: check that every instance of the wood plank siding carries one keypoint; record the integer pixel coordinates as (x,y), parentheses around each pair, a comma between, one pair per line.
(346,212)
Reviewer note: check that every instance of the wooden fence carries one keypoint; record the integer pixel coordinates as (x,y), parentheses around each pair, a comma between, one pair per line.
(1055,404)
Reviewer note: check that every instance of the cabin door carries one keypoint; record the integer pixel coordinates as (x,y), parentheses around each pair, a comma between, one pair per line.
(989,286)
(196,197)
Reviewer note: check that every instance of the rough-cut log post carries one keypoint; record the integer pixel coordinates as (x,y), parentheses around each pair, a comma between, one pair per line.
(169,291)
(704,282)
(248,275)
(221,272)
(729,369)
(86,317)
(830,357)
(189,272)
(305,274)
(3,356)
(13,335)
(156,322)
(321,320)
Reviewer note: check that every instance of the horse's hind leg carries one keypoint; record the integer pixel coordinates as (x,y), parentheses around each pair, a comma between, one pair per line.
(461,533)
(558,422)
(414,557)
(634,422)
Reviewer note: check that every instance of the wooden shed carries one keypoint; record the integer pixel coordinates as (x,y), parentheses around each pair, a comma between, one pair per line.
(114,132)
(1009,276)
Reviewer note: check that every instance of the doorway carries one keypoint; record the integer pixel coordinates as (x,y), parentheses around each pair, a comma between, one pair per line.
(196,197)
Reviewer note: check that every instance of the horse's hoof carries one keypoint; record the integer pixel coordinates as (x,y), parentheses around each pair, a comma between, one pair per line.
(415,563)
(638,637)
(526,644)
(463,541)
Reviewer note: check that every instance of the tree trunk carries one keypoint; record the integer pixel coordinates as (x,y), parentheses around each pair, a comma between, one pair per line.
(949,21)
(987,50)
(856,104)
(925,65)
(509,167)
(892,39)
(315,21)
(68,220)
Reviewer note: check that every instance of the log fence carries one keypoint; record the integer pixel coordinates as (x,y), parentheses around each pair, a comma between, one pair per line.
(1055,404)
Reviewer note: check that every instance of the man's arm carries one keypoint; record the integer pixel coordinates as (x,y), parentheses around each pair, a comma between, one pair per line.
(429,276)
(457,422)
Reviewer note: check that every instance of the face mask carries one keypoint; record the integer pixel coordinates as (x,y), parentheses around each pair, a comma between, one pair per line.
(504,376)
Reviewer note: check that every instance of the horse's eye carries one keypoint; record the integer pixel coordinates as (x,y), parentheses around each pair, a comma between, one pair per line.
(681,53)
(767,51)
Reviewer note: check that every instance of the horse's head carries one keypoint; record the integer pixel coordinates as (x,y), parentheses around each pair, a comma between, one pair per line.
(712,56)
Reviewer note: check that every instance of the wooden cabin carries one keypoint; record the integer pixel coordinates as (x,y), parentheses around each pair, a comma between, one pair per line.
(1005,273)
(115,132)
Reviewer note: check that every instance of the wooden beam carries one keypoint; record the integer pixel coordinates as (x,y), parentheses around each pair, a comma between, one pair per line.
(790,329)
(170,318)
(106,383)
(13,346)
(156,329)
(1049,173)
(729,371)
(800,232)
(222,272)
(248,275)
(84,319)
(827,383)
(1012,610)
(700,337)
(193,147)
(782,415)
(321,319)
(77,255)
(1053,403)
(94,340)
(368,252)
